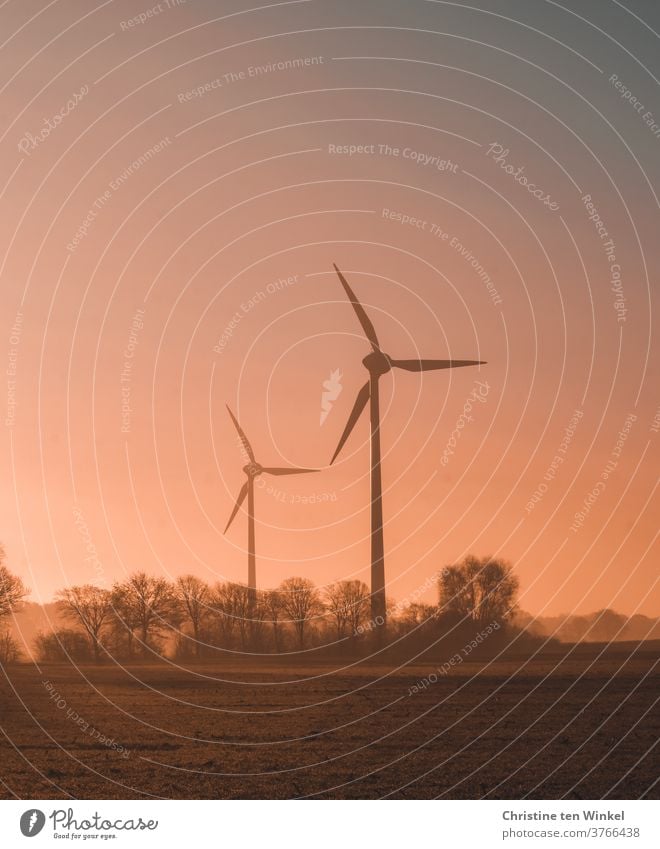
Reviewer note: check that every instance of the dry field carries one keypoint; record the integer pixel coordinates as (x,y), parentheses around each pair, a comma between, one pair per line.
(576,727)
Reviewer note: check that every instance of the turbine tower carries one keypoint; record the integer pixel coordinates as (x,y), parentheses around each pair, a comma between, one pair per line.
(377,364)
(252,471)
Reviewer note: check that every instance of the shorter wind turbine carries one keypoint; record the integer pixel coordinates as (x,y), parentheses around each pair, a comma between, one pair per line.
(378,363)
(253,470)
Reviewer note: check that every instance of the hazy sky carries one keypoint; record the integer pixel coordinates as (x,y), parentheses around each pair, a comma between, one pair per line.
(176,182)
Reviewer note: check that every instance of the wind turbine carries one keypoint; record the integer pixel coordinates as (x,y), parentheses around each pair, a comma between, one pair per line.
(253,470)
(377,364)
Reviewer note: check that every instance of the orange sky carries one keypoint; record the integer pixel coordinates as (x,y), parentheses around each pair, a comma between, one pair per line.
(244,185)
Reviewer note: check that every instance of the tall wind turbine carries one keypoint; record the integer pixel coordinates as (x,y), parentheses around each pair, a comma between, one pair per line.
(252,471)
(377,364)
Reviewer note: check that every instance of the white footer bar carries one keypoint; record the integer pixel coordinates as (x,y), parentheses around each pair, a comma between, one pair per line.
(330,824)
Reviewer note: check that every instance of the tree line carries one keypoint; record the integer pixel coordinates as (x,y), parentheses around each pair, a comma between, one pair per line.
(144,616)
(12,593)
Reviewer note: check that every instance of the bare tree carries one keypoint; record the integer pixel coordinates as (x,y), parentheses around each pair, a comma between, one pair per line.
(358,600)
(483,590)
(271,602)
(12,590)
(415,614)
(9,649)
(258,623)
(195,597)
(301,603)
(225,622)
(91,607)
(124,619)
(347,602)
(151,603)
(233,605)
(335,604)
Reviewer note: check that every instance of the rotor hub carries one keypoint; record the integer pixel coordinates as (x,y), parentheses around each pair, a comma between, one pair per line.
(377,362)
(253,470)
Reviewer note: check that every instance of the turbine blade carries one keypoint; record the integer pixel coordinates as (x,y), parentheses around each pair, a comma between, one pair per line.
(363,318)
(360,403)
(431,365)
(241,433)
(288,471)
(237,506)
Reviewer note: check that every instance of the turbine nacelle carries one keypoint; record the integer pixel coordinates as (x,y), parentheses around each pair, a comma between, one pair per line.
(253,470)
(377,363)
